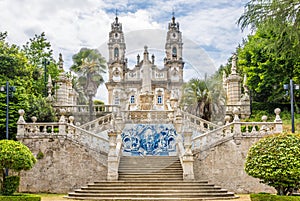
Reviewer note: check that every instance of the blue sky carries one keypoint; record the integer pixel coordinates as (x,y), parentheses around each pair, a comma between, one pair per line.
(71,24)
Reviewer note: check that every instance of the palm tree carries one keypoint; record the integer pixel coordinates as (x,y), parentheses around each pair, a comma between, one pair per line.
(197,98)
(89,65)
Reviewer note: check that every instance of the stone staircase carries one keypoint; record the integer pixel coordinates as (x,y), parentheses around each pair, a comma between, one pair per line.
(150,178)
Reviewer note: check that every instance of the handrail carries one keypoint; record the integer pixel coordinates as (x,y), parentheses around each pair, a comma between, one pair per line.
(66,130)
(198,123)
(233,130)
(148,116)
(85,108)
(95,124)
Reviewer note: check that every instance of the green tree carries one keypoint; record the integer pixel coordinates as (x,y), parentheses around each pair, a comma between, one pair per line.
(196,97)
(3,36)
(16,70)
(280,18)
(266,69)
(19,71)
(260,11)
(15,156)
(40,56)
(275,160)
(89,65)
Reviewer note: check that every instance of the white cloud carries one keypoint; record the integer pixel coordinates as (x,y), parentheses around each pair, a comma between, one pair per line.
(71,24)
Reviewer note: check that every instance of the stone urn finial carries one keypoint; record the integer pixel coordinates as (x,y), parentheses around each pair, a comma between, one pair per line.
(264,118)
(34,119)
(71,119)
(227,119)
(236,112)
(62,118)
(21,118)
(277,112)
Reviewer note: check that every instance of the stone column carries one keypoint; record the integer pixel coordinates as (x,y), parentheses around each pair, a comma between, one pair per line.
(188,160)
(112,167)
(21,124)
(178,122)
(278,121)
(237,127)
(62,122)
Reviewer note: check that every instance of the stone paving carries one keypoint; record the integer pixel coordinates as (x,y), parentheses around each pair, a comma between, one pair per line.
(61,198)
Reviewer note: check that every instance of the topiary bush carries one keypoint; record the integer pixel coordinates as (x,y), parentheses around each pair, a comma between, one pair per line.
(275,160)
(15,156)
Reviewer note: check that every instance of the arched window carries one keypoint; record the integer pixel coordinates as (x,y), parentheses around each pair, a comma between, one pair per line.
(174,52)
(116,52)
(132,99)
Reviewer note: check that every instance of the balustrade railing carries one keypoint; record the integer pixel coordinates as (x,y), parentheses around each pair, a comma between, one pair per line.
(61,129)
(197,123)
(99,124)
(85,108)
(148,116)
(237,129)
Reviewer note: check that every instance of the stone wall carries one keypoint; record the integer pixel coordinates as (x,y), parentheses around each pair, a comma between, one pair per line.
(223,165)
(64,167)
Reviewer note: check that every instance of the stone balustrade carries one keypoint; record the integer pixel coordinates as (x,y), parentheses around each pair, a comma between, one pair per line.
(197,123)
(61,129)
(148,116)
(85,108)
(99,124)
(236,130)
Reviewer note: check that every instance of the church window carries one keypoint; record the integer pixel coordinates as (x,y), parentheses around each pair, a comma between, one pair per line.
(174,52)
(159,99)
(116,52)
(132,99)
(117,100)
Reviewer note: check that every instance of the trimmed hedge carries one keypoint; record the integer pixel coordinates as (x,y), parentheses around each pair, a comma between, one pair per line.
(271,197)
(21,197)
(11,183)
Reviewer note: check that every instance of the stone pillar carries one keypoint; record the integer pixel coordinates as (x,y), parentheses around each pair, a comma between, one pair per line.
(233,84)
(237,126)
(278,121)
(264,127)
(112,167)
(119,122)
(21,124)
(178,122)
(62,122)
(188,160)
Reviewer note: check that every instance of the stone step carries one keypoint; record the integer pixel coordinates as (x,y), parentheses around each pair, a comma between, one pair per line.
(153,183)
(148,191)
(152,199)
(151,178)
(152,195)
(152,187)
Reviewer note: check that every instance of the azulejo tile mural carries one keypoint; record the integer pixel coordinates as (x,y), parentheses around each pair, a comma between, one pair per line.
(149,139)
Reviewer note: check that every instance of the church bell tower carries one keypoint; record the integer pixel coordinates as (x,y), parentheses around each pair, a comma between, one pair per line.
(116,46)
(117,63)
(173,48)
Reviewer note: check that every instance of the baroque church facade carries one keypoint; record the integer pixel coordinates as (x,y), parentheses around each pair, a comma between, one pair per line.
(145,86)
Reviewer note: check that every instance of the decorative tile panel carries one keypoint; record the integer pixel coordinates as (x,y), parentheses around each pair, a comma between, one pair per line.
(149,139)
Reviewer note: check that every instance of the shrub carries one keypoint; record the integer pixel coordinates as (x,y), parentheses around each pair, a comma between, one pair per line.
(16,156)
(21,197)
(270,197)
(40,155)
(276,161)
(10,185)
